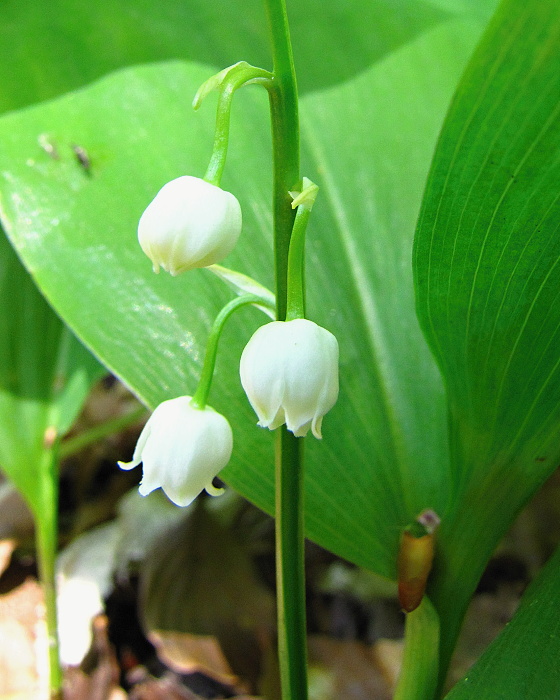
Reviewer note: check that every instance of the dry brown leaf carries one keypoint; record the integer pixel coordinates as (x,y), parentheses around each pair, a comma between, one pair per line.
(200,580)
(23,651)
(388,655)
(6,550)
(166,688)
(16,520)
(191,653)
(346,669)
(98,677)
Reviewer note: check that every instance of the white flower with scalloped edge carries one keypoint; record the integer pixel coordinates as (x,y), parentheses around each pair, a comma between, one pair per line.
(190,223)
(289,370)
(182,448)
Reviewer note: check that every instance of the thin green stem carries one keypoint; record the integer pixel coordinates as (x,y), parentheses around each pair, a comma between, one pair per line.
(78,442)
(46,536)
(419,675)
(290,575)
(285,143)
(295,304)
(221,138)
(200,397)
(241,74)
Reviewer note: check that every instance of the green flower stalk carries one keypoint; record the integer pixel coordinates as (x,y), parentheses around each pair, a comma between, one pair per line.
(226,82)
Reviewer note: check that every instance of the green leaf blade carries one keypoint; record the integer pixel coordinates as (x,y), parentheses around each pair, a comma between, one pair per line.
(523,661)
(382,458)
(486,247)
(486,278)
(45,375)
(107,35)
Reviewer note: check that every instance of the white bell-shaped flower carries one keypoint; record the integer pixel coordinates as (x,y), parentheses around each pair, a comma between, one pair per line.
(190,223)
(289,370)
(182,448)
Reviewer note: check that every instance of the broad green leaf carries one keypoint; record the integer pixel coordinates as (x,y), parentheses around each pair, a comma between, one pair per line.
(46,50)
(368,144)
(488,279)
(45,375)
(480,9)
(523,661)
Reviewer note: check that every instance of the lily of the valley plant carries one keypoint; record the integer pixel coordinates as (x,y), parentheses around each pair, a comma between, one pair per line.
(434,258)
(289,368)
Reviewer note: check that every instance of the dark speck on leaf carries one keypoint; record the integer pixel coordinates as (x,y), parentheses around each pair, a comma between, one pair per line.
(83,158)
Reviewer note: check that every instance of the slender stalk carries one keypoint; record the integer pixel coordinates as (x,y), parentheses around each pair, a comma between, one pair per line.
(234,77)
(289,449)
(221,138)
(419,675)
(290,573)
(46,541)
(295,305)
(201,394)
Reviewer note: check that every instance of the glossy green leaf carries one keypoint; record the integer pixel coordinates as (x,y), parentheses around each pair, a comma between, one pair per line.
(45,375)
(488,279)
(368,144)
(46,50)
(523,661)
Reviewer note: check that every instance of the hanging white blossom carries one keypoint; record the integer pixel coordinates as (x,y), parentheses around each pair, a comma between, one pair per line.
(182,448)
(289,370)
(190,223)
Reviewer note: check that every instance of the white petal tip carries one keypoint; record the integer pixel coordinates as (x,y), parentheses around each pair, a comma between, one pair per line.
(144,489)
(214,491)
(128,465)
(181,501)
(299,430)
(316,426)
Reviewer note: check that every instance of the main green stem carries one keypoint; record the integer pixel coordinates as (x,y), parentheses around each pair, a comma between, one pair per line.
(290,573)
(290,577)
(285,143)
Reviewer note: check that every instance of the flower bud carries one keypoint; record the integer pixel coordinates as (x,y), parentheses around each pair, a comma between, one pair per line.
(190,223)
(289,370)
(182,448)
